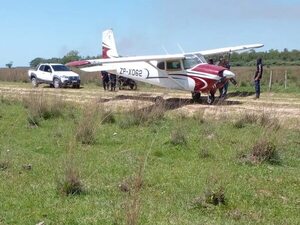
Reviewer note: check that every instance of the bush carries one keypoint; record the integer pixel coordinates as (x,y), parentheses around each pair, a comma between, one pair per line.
(71,184)
(262,151)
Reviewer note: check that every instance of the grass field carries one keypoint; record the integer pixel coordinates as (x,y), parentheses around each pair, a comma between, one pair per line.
(67,164)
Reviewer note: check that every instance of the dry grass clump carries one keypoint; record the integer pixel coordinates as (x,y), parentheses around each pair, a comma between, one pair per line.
(178,137)
(248,118)
(262,151)
(204,153)
(42,107)
(71,184)
(146,115)
(262,119)
(4,164)
(211,197)
(107,117)
(87,126)
(133,187)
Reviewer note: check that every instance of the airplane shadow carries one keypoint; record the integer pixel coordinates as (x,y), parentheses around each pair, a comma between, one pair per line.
(170,103)
(241,94)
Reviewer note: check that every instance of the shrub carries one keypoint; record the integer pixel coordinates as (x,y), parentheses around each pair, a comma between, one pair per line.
(262,151)
(71,184)
(211,197)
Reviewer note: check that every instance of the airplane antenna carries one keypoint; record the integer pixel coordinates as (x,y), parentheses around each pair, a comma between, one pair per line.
(165,50)
(181,49)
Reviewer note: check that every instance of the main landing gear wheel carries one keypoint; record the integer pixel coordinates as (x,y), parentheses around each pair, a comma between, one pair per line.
(196,96)
(210,99)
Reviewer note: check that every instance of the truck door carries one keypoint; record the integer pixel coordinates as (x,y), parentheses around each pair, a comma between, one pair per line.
(47,75)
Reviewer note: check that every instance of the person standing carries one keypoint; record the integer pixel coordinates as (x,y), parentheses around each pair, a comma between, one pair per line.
(223,90)
(105,80)
(113,81)
(258,76)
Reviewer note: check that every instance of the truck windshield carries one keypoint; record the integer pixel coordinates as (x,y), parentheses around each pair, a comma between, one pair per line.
(60,68)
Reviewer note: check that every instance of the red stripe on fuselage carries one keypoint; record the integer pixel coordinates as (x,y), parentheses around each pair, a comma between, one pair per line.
(208,68)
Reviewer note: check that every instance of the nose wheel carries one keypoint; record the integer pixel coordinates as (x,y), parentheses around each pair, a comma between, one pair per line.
(196,96)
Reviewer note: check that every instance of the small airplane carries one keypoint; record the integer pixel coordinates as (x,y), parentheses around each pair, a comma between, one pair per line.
(185,71)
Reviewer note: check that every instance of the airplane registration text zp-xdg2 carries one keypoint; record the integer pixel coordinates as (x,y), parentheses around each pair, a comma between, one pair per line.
(133,72)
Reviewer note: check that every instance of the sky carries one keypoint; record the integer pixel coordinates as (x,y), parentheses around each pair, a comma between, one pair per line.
(35,28)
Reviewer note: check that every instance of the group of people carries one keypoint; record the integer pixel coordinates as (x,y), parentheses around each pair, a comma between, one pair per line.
(109,81)
(257,77)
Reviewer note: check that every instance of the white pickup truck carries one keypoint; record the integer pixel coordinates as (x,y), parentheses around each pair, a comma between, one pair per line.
(57,75)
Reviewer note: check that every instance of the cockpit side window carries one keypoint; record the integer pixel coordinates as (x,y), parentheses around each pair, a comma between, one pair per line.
(161,65)
(173,65)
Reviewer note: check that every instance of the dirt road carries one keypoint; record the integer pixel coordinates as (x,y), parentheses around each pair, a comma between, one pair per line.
(285,107)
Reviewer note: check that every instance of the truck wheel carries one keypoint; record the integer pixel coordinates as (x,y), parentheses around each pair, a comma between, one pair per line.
(34,82)
(56,83)
(76,86)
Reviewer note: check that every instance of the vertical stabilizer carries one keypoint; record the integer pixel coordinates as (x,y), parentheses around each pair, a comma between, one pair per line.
(109,49)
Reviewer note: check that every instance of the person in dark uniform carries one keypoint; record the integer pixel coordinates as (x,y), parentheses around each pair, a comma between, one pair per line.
(223,91)
(258,76)
(113,81)
(105,80)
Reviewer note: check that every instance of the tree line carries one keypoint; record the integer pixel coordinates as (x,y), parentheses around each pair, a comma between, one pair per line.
(271,57)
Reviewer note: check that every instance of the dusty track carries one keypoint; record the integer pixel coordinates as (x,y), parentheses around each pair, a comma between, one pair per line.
(285,107)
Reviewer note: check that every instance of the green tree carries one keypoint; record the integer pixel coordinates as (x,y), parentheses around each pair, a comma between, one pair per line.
(9,65)
(71,56)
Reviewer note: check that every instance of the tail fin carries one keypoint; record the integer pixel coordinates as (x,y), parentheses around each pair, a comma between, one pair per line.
(109,49)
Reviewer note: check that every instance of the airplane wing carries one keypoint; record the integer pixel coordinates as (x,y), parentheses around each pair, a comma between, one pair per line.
(229,49)
(110,63)
(90,62)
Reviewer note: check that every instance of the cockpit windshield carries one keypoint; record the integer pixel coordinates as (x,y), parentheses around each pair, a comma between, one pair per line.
(192,60)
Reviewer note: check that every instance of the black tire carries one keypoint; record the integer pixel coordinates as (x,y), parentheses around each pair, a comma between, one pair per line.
(34,82)
(210,99)
(56,83)
(196,96)
(76,86)
(133,86)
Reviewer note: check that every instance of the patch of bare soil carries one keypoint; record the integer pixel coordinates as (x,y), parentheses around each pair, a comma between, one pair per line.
(285,107)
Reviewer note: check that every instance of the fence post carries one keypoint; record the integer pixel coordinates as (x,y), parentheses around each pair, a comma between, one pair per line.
(285,79)
(270,81)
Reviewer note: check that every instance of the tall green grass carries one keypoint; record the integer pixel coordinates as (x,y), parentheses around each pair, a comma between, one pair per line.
(137,176)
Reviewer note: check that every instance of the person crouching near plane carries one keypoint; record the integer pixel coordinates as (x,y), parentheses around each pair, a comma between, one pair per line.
(105,80)
(258,76)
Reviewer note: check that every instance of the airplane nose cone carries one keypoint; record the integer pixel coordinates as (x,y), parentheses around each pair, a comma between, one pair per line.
(228,74)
